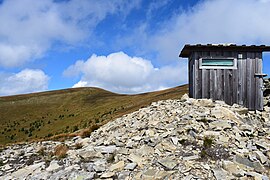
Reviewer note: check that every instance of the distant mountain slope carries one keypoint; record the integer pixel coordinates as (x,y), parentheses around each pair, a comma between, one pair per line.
(41,115)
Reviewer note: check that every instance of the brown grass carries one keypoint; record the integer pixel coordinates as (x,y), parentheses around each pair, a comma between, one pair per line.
(85,133)
(41,151)
(60,151)
(78,145)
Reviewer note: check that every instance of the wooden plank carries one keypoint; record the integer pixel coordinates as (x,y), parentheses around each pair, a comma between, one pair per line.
(205,78)
(250,84)
(200,83)
(215,85)
(244,80)
(235,82)
(193,76)
(257,79)
(253,81)
(230,88)
(199,76)
(235,86)
(259,83)
(228,81)
(260,94)
(208,84)
(226,86)
(220,84)
(190,76)
(204,83)
(196,71)
(249,63)
(212,92)
(240,82)
(208,77)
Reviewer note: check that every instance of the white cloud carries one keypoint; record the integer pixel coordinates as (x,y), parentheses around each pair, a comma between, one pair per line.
(121,73)
(219,21)
(155,6)
(25,81)
(29,28)
(209,21)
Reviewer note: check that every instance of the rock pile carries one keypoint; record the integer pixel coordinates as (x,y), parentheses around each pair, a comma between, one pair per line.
(172,139)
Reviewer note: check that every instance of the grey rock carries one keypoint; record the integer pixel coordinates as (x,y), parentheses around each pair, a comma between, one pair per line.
(226,114)
(185,97)
(150,174)
(257,175)
(107,175)
(131,166)
(168,163)
(262,145)
(24,172)
(6,167)
(204,102)
(106,149)
(261,156)
(99,165)
(54,166)
(117,166)
(241,110)
(123,175)
(146,150)
(220,125)
(175,140)
(190,158)
(135,158)
(246,127)
(88,154)
(130,144)
(245,161)
(220,174)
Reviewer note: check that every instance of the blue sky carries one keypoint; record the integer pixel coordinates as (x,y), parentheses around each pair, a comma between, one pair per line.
(122,46)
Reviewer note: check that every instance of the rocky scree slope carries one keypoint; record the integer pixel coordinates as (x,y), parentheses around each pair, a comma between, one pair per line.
(172,139)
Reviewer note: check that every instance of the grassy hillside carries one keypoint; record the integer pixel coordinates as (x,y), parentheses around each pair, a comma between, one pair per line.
(42,115)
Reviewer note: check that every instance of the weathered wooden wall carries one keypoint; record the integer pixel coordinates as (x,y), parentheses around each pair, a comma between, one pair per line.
(230,85)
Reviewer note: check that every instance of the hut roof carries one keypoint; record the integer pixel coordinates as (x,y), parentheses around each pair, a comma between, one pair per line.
(188,49)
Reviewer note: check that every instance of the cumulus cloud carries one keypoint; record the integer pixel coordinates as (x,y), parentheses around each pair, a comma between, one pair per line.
(29,28)
(25,81)
(121,73)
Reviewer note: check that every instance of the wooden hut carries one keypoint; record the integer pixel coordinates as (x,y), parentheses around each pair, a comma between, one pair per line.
(226,72)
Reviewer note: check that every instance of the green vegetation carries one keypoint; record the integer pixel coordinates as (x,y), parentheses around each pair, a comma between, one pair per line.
(208,142)
(111,158)
(213,151)
(63,112)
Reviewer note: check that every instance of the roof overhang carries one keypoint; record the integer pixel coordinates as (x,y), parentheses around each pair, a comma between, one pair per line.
(188,49)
